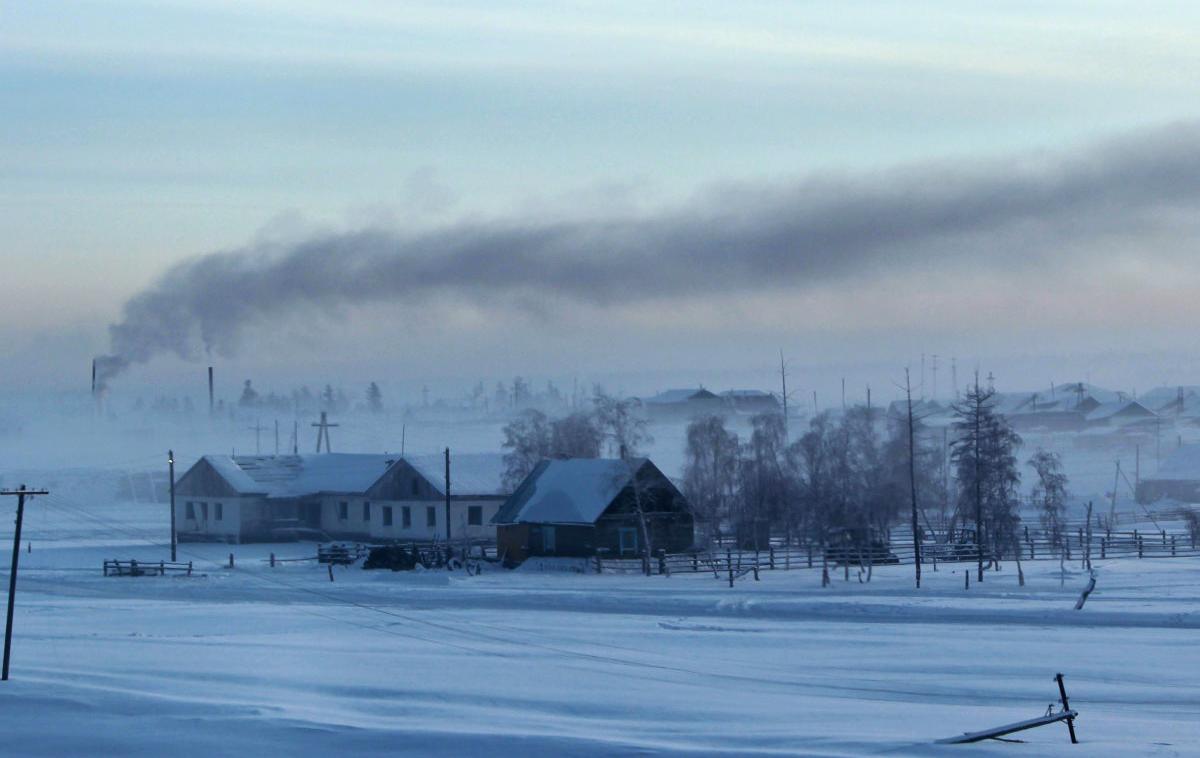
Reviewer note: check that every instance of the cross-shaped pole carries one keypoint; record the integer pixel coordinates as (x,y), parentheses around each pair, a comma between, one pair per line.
(258,430)
(323,432)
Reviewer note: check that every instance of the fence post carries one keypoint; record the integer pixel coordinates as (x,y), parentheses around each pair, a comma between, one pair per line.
(810,555)
(967,579)
(695,564)
(189,568)
(729,564)
(1172,545)
(1138,538)
(162,569)
(330,567)
(272,560)
(771,557)
(1164,537)
(1103,545)
(599,566)
(231,560)
(133,568)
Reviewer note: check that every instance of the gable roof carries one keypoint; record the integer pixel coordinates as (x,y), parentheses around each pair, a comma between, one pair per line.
(569,491)
(282,476)
(679,396)
(470,473)
(1126,407)
(747,394)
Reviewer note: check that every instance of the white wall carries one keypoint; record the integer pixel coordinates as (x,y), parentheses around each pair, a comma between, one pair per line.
(228,526)
(421,531)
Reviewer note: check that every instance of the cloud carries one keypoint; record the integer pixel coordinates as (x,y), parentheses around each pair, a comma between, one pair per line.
(1030,211)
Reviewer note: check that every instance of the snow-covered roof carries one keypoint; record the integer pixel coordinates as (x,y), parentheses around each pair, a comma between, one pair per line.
(679,396)
(747,394)
(282,476)
(1108,410)
(470,473)
(1167,398)
(570,491)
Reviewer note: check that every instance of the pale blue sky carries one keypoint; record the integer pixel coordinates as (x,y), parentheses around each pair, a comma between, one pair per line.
(136,134)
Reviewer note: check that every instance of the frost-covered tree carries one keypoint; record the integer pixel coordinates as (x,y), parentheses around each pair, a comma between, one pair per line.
(249,398)
(575,436)
(710,470)
(984,455)
(374,398)
(763,484)
(527,439)
(1049,494)
(620,423)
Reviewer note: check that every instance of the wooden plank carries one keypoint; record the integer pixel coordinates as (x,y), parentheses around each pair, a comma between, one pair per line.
(1000,731)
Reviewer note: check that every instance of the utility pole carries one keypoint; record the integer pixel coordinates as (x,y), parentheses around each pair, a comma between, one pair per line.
(277,437)
(783,382)
(171,472)
(21,493)
(295,437)
(912,478)
(258,430)
(933,393)
(447,497)
(978,484)
(323,432)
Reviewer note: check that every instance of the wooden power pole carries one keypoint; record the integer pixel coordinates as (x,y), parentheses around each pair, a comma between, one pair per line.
(912,478)
(171,472)
(447,497)
(21,493)
(323,432)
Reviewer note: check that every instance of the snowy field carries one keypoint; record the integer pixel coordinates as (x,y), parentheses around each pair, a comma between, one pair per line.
(262,661)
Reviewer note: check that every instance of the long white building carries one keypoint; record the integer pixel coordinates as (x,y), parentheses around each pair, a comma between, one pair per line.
(344,496)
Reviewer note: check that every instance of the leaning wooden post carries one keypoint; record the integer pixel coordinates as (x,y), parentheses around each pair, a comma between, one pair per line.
(1062,690)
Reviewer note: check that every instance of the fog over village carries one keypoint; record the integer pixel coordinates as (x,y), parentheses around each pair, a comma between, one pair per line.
(671,379)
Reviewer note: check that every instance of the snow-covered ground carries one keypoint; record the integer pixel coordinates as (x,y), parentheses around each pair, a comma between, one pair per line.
(262,661)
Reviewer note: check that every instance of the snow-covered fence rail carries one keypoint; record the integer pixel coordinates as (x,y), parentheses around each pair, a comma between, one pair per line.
(145,568)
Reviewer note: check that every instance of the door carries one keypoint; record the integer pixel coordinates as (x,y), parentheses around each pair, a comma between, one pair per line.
(628,539)
(549,540)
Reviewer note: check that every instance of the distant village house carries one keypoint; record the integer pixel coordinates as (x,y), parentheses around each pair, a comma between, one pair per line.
(381,498)
(589,506)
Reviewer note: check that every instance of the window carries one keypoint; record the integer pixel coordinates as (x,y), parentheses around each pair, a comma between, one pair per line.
(430,516)
(204,511)
(628,540)
(387,515)
(191,510)
(218,511)
(475,515)
(366,511)
(406,517)
(343,511)
(416,487)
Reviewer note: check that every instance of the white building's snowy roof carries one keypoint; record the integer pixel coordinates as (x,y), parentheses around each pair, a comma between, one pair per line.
(571,491)
(470,473)
(282,476)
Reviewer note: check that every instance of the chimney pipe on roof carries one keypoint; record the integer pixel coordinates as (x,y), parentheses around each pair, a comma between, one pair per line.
(211,407)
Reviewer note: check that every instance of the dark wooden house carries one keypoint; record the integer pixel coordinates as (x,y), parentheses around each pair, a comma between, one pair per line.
(589,506)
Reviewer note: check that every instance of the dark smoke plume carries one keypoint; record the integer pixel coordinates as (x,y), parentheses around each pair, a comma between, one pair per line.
(747,237)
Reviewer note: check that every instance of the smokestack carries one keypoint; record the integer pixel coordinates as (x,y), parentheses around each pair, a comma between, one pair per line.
(211,407)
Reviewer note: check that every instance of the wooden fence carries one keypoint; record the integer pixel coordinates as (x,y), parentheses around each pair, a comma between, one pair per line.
(727,561)
(145,568)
